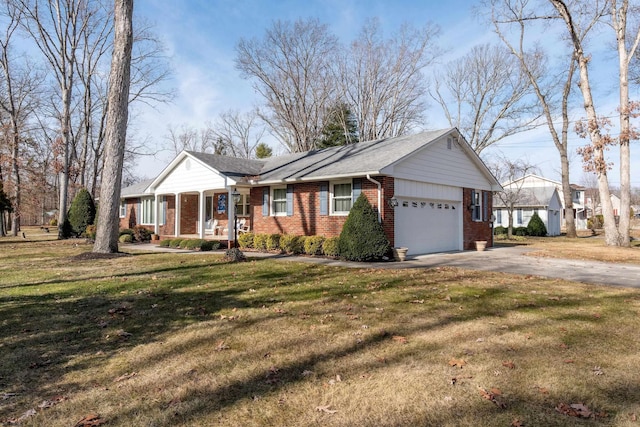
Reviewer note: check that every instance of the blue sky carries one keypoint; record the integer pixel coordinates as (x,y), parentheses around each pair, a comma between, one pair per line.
(201,35)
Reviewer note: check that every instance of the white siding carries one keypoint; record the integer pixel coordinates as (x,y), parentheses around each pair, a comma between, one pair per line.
(188,176)
(440,165)
(425,190)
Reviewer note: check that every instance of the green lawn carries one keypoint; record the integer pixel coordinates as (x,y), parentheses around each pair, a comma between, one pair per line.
(188,340)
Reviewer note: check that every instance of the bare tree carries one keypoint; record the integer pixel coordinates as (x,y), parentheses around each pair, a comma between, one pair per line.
(116,128)
(291,68)
(510,17)
(240,132)
(57,28)
(594,154)
(486,95)
(511,174)
(382,81)
(19,87)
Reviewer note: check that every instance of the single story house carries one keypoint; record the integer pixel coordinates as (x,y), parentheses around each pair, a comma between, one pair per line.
(431,190)
(544,200)
(534,183)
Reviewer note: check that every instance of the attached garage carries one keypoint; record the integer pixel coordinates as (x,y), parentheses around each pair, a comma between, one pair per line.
(428,225)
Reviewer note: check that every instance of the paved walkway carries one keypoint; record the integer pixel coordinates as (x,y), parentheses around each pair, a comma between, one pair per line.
(502,259)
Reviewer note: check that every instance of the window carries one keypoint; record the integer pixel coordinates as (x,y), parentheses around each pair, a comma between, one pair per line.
(476,205)
(279,201)
(341,198)
(499,216)
(123,208)
(147,216)
(163,211)
(243,205)
(519,216)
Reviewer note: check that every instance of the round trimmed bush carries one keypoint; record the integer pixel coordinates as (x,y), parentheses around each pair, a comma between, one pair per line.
(362,237)
(245,240)
(194,244)
(292,244)
(330,246)
(500,230)
(165,243)
(520,231)
(272,242)
(175,243)
(313,245)
(125,238)
(536,227)
(260,242)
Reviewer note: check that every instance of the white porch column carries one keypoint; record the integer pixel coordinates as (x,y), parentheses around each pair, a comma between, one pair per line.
(201,213)
(177,215)
(156,217)
(231,209)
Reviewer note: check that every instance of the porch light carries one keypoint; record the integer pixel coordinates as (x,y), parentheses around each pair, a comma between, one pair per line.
(393,202)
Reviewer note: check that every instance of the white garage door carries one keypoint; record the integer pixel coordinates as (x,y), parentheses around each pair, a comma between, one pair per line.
(426,226)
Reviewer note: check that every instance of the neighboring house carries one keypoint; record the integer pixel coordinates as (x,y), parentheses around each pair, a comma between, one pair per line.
(615,203)
(534,183)
(431,190)
(545,201)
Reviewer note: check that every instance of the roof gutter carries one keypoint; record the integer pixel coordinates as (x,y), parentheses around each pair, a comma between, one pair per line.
(379,196)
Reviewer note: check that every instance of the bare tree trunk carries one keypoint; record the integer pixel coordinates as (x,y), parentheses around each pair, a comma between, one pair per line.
(619,24)
(612,237)
(116,129)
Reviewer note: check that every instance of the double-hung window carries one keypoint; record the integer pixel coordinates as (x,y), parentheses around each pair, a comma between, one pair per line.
(243,205)
(476,205)
(123,208)
(341,198)
(279,201)
(147,216)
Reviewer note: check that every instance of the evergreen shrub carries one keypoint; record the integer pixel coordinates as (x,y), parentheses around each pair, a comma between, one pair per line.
(82,212)
(245,240)
(330,246)
(362,237)
(260,242)
(536,227)
(313,245)
(272,242)
(292,244)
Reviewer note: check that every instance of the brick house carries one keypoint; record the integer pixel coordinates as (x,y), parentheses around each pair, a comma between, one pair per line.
(431,190)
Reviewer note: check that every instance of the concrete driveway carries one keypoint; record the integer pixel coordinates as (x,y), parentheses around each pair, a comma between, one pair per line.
(502,259)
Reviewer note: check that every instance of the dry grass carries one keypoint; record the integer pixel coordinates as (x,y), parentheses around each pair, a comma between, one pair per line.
(265,343)
(585,247)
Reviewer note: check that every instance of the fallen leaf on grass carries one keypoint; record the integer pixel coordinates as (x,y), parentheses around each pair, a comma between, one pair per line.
(568,361)
(597,370)
(125,377)
(326,409)
(90,420)
(52,402)
(516,423)
(492,397)
(417,301)
(455,380)
(400,339)
(457,362)
(578,410)
(633,417)
(28,414)
(509,364)
(542,390)
(221,346)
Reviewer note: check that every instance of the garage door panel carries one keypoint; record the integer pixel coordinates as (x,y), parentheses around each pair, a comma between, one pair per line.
(426,226)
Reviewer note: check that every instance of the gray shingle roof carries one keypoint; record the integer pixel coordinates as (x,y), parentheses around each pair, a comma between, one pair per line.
(135,189)
(230,166)
(353,159)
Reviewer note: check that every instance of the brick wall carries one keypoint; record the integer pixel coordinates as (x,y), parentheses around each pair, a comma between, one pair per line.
(476,230)
(306,219)
(169,227)
(189,213)
(132,216)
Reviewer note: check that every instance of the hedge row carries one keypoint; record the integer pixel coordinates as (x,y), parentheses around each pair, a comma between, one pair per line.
(192,244)
(289,243)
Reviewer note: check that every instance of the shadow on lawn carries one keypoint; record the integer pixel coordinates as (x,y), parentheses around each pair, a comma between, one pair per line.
(43,336)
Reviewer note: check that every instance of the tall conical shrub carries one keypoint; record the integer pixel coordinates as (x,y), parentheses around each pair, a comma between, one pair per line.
(536,226)
(362,237)
(82,212)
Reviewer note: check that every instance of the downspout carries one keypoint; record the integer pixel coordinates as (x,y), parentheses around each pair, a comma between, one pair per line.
(379,196)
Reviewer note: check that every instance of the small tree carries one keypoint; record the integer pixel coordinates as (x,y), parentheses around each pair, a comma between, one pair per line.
(82,212)
(362,237)
(263,151)
(536,227)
